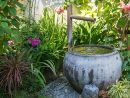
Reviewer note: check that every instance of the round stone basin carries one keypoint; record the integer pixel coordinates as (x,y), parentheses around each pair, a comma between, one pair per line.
(92,64)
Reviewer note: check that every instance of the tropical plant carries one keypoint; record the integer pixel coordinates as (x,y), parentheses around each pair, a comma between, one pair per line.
(12,69)
(120,90)
(123,23)
(110,16)
(104,30)
(34,81)
(54,37)
(91,33)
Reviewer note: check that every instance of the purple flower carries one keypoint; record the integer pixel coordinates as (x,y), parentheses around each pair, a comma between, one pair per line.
(35,42)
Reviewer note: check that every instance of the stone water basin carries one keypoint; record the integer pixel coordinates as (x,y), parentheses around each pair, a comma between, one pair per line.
(92,64)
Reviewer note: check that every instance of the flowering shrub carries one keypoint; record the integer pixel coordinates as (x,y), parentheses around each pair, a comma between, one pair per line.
(125,8)
(123,22)
(9,21)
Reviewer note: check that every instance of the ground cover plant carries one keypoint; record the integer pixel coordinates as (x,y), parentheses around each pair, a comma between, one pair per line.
(120,90)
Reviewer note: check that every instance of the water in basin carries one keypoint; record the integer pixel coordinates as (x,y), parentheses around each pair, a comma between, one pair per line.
(91,50)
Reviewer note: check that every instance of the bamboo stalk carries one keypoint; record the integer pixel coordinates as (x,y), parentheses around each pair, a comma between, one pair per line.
(83,18)
(69,26)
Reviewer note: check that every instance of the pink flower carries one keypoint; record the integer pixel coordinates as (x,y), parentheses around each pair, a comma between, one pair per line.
(59,10)
(125,8)
(122,4)
(10,42)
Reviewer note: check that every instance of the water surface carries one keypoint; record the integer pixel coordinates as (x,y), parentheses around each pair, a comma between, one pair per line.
(91,50)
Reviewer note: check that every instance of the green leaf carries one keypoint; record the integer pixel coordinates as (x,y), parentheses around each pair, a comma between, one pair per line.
(12,11)
(3,4)
(6,11)
(20,5)
(1,31)
(5,42)
(4,24)
(14,1)
(4,19)
(122,22)
(15,23)
(6,30)
(15,35)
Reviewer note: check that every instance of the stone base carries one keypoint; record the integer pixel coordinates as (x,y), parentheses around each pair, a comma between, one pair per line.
(90,91)
(61,88)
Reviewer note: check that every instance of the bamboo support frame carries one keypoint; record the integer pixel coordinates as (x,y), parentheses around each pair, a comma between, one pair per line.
(70,17)
(83,18)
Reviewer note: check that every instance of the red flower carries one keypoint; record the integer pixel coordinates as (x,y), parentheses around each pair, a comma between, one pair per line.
(10,42)
(59,10)
(125,8)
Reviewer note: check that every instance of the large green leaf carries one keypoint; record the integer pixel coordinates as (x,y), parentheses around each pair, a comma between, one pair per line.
(3,4)
(16,36)
(6,11)
(12,11)
(7,30)
(1,33)
(15,23)
(5,42)
(4,24)
(20,5)
(122,22)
